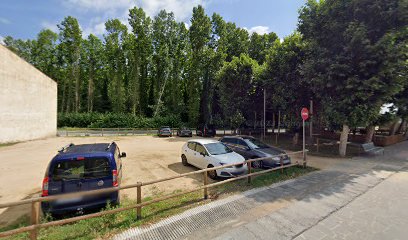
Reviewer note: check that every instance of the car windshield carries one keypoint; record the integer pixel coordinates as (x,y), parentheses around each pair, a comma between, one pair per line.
(255,144)
(165,129)
(217,148)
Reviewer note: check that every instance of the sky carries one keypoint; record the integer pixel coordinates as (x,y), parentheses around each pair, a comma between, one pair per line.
(25,18)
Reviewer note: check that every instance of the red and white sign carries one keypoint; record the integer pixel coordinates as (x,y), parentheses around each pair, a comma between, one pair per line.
(305,114)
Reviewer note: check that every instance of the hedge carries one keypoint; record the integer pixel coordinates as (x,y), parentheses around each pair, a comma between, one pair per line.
(115,120)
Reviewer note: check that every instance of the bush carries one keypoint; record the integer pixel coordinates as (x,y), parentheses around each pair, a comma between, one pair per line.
(115,120)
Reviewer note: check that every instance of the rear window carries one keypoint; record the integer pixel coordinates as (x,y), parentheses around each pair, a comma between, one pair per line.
(88,168)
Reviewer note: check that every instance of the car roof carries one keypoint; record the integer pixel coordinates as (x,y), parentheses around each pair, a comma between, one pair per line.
(89,150)
(239,137)
(203,141)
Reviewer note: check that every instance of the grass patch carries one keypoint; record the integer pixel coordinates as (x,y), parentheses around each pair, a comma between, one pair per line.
(107,226)
(7,144)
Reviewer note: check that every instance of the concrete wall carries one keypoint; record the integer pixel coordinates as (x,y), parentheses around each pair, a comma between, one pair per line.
(28,100)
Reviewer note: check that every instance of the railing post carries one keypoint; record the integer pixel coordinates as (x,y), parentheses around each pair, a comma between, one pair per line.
(249,165)
(102,132)
(35,219)
(205,175)
(139,201)
(317,146)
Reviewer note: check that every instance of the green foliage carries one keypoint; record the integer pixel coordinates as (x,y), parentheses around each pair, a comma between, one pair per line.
(349,56)
(115,120)
(237,120)
(235,81)
(354,64)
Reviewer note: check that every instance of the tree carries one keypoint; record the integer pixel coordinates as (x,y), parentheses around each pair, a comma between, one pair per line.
(200,35)
(114,42)
(70,38)
(349,58)
(92,65)
(142,51)
(259,45)
(281,75)
(236,80)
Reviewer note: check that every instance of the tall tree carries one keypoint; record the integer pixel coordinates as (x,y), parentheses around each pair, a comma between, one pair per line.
(92,66)
(141,28)
(200,35)
(236,83)
(70,38)
(114,42)
(350,56)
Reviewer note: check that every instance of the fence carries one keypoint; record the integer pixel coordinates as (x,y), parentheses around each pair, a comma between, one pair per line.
(35,202)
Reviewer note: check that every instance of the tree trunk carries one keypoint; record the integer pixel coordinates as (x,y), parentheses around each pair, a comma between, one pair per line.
(402,126)
(393,128)
(369,135)
(343,140)
(295,139)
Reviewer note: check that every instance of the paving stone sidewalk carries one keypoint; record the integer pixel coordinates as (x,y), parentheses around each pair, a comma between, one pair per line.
(309,207)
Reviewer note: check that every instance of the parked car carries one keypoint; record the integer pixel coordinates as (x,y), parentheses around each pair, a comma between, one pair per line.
(206,153)
(184,132)
(252,148)
(164,131)
(206,131)
(79,168)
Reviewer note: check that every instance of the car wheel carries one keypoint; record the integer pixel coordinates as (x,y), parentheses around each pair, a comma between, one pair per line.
(184,160)
(213,173)
(257,164)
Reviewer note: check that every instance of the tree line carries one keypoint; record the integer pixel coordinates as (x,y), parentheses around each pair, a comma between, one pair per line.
(349,56)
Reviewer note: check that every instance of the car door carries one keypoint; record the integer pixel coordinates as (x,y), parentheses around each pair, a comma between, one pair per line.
(200,156)
(190,153)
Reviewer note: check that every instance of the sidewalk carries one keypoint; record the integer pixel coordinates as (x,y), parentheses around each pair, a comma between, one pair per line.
(350,199)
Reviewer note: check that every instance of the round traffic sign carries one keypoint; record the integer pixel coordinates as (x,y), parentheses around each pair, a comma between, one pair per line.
(305,114)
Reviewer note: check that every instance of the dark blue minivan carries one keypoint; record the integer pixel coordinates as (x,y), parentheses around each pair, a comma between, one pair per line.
(82,168)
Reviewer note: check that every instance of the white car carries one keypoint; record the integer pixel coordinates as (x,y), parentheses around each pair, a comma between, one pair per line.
(207,153)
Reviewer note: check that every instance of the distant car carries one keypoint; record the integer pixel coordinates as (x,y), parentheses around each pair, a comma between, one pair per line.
(164,131)
(206,131)
(207,153)
(79,168)
(251,148)
(184,132)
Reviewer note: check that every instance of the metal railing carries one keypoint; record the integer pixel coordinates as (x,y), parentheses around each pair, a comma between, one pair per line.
(35,202)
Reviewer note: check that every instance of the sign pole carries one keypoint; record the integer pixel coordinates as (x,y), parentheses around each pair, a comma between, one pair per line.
(305,115)
(304,145)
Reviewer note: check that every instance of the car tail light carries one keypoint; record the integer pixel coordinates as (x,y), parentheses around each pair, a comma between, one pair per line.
(115,178)
(45,187)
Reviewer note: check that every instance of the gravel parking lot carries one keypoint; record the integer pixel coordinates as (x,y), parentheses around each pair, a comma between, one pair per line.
(148,158)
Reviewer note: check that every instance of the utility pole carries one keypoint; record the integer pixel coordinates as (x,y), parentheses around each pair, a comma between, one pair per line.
(264,115)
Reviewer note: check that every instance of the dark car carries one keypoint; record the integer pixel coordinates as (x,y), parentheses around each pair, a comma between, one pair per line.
(79,168)
(251,148)
(206,131)
(184,132)
(164,131)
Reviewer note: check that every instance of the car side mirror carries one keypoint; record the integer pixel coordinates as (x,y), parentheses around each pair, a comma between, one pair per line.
(123,155)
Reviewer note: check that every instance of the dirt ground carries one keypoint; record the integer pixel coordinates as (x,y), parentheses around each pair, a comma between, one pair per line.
(148,158)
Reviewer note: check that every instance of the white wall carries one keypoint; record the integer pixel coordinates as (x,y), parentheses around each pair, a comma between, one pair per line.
(28,100)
